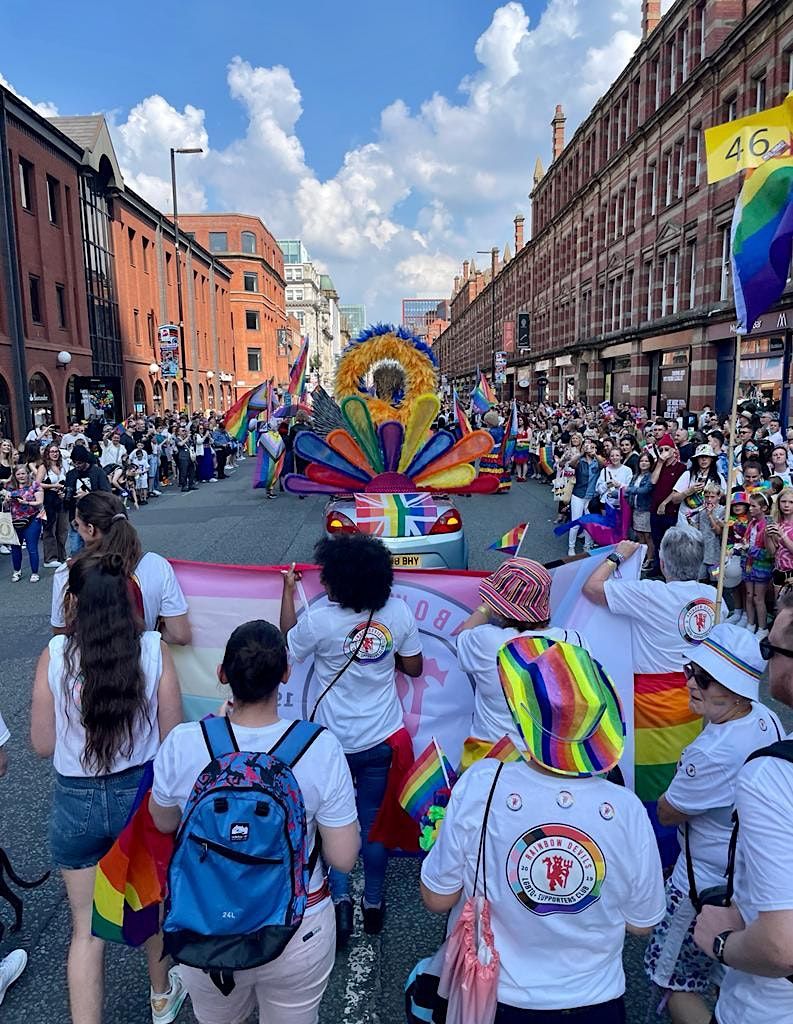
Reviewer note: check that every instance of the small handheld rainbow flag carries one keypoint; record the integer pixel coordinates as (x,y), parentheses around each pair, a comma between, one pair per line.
(429,780)
(130,878)
(459,415)
(504,750)
(482,396)
(547,460)
(297,375)
(510,542)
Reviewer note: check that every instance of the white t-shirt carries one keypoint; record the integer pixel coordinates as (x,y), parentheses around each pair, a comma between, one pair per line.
(69,731)
(569,862)
(763,882)
(362,709)
(112,454)
(704,788)
(162,595)
(611,478)
(667,619)
(322,774)
(477,650)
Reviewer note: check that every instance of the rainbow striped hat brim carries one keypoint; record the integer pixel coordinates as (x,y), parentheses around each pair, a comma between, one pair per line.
(565,706)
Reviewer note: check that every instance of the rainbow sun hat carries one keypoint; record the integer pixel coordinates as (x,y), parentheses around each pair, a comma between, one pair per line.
(565,707)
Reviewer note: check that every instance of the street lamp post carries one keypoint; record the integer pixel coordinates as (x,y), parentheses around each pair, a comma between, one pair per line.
(491,253)
(179,301)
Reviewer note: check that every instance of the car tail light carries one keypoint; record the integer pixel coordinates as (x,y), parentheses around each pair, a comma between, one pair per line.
(450,522)
(338,522)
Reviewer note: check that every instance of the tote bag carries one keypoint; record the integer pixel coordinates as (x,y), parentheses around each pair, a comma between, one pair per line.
(8,534)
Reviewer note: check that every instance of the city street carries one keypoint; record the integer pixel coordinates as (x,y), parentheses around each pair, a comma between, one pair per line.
(223,522)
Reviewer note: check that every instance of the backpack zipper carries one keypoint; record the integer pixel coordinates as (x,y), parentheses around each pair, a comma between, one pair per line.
(224,851)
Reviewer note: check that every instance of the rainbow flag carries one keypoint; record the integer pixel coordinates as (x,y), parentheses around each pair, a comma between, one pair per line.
(430,776)
(297,375)
(547,460)
(482,397)
(504,750)
(510,542)
(663,725)
(395,515)
(236,419)
(459,415)
(762,239)
(130,878)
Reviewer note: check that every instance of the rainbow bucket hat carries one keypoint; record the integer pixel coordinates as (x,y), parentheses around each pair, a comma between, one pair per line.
(564,705)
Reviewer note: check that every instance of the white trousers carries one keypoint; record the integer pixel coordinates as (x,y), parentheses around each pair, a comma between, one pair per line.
(578,507)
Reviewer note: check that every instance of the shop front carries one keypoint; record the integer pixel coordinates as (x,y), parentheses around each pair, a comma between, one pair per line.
(765,366)
(616,362)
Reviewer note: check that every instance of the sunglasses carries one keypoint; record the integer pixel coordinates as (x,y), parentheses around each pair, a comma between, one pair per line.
(702,678)
(768,650)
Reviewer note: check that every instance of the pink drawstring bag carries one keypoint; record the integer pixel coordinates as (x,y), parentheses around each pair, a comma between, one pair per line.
(469,975)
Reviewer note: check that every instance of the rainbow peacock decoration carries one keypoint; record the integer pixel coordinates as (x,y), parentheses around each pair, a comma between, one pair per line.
(378,437)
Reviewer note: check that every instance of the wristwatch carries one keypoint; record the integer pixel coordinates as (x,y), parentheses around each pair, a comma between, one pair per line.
(616,558)
(718,945)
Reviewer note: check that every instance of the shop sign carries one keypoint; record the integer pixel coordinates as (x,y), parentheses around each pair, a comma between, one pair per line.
(500,361)
(774,322)
(168,335)
(524,382)
(508,335)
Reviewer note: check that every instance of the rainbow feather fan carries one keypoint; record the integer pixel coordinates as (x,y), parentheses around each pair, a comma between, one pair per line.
(390,457)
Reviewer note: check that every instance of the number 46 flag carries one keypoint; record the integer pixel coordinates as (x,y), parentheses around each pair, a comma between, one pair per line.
(749,141)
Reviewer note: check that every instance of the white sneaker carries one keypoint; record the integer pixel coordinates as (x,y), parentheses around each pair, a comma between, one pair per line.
(11,967)
(761,634)
(750,627)
(213,480)
(165,1009)
(52,564)
(156,493)
(16,576)
(734,616)
(34,577)
(5,549)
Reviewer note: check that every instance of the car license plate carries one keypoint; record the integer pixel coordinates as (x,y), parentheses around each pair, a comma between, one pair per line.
(406,561)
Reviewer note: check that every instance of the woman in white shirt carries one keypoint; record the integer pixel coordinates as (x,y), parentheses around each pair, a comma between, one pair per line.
(723,684)
(104,697)
(57,525)
(613,478)
(515,602)
(358,635)
(689,489)
(291,986)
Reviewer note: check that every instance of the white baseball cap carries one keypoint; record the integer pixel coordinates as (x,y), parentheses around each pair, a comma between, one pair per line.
(732,656)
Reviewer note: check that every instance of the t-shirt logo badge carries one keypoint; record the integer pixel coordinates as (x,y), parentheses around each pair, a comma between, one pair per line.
(374,645)
(556,869)
(696,620)
(514,802)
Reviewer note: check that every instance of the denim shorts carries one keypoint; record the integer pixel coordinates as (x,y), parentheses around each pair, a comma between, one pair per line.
(88,814)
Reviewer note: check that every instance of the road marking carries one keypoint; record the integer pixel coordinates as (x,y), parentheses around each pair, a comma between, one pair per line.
(362,964)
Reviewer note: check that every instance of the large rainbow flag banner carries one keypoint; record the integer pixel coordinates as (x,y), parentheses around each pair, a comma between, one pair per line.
(482,397)
(297,375)
(762,239)
(547,460)
(254,401)
(429,777)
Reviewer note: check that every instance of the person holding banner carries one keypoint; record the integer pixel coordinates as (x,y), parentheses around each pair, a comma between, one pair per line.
(667,619)
(359,634)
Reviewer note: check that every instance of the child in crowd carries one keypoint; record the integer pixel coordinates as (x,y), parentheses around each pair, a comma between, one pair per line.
(130,484)
(757,563)
(140,460)
(153,450)
(779,536)
(709,521)
(738,525)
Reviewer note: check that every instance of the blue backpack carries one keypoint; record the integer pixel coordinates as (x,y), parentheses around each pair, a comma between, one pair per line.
(238,879)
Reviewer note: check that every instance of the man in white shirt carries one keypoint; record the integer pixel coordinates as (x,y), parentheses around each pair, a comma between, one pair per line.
(754,936)
(12,965)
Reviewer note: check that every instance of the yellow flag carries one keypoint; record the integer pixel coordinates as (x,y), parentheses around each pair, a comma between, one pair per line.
(749,141)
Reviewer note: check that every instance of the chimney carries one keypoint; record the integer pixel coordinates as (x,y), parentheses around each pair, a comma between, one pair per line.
(519,233)
(456,284)
(493,263)
(558,131)
(465,270)
(651,15)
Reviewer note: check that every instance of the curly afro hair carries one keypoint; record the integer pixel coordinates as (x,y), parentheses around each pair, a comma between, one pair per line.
(356,570)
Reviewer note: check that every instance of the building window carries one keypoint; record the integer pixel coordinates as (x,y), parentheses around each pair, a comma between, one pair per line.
(692,274)
(684,54)
(731,108)
(144,244)
(649,284)
(168,259)
(60,302)
(218,241)
(287,273)
(26,185)
(655,79)
(35,299)
(664,285)
(136,323)
(652,188)
(672,58)
(759,93)
(674,275)
(250,281)
(697,149)
(724,287)
(680,168)
(252,319)
(248,241)
(297,273)
(254,360)
(669,171)
(702,23)
(54,200)
(301,316)
(131,246)
(790,71)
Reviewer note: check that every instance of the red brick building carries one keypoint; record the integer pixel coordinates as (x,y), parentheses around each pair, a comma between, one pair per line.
(258,306)
(626,278)
(43,308)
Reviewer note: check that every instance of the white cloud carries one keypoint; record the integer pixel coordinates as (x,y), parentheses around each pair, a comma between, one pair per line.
(430,186)
(45,108)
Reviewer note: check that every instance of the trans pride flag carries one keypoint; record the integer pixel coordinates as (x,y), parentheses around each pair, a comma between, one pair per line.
(762,239)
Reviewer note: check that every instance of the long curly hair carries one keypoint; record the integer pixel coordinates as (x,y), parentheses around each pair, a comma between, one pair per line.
(355,570)
(102,652)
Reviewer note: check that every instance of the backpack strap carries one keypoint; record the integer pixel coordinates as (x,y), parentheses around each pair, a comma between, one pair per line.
(295,741)
(218,736)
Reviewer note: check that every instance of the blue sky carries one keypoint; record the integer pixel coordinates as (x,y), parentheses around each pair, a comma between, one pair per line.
(395,139)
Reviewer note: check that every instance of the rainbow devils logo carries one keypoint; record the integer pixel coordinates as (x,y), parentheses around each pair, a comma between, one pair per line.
(556,869)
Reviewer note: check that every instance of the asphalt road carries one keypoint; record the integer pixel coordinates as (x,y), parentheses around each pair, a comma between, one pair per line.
(222,522)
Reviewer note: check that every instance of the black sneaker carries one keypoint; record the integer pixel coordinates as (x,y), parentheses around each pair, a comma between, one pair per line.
(373,918)
(344,927)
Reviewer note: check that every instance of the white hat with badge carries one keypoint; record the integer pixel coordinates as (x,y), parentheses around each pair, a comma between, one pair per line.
(732,656)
